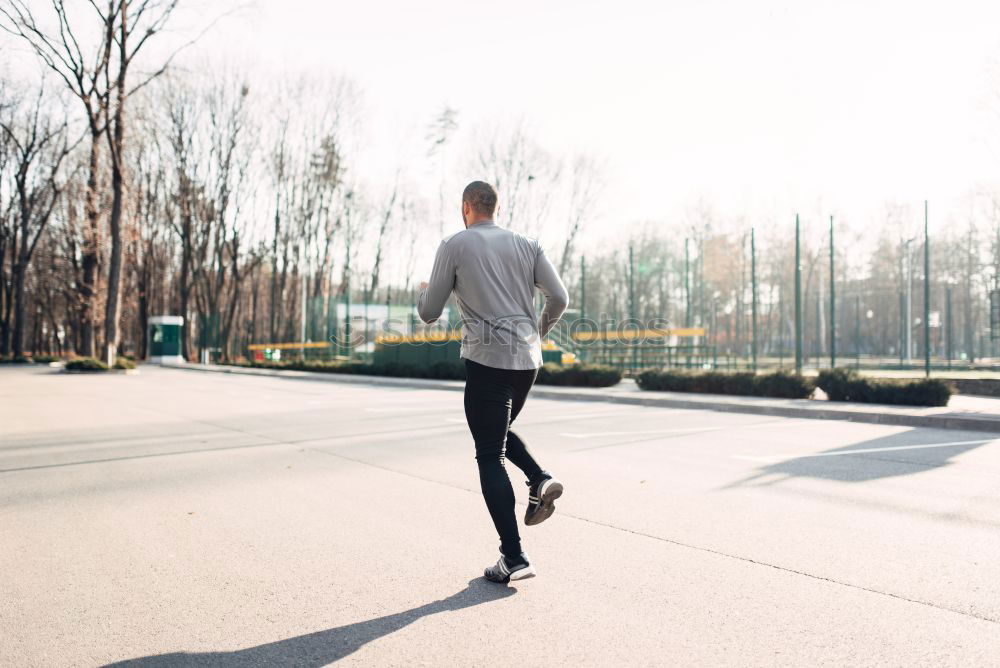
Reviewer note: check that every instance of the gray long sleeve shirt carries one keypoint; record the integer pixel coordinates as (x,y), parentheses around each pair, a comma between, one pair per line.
(493,273)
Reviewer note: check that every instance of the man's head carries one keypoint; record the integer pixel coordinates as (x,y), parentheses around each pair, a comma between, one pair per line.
(479,202)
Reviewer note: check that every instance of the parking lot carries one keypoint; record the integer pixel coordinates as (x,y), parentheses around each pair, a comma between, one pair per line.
(175,517)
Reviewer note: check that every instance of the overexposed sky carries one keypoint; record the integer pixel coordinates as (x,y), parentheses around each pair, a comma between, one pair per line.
(759,107)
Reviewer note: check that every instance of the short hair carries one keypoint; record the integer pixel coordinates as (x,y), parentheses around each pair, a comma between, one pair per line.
(482,197)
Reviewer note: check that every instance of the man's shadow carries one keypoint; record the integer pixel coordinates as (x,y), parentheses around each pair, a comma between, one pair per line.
(323,647)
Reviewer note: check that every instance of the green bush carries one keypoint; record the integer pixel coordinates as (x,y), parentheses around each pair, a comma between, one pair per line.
(847,385)
(436,371)
(783,385)
(551,374)
(439,370)
(45,359)
(124,363)
(778,384)
(579,375)
(86,364)
(20,359)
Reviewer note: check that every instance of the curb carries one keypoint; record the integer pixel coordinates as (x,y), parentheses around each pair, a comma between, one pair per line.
(121,372)
(808,413)
(949,422)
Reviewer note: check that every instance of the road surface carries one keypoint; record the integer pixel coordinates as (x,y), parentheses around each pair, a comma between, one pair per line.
(183,518)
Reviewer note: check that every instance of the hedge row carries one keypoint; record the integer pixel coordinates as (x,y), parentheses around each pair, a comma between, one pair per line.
(86,364)
(20,359)
(847,385)
(91,364)
(838,384)
(551,374)
(779,384)
(579,375)
(33,359)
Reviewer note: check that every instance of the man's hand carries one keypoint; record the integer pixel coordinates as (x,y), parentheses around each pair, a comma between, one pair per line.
(423,285)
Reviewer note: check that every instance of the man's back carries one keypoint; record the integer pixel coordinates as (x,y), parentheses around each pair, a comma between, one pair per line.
(493,273)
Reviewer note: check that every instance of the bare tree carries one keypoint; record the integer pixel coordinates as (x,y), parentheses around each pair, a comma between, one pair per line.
(228,185)
(98,76)
(439,135)
(39,143)
(84,75)
(186,195)
(586,187)
(7,227)
(524,174)
(380,239)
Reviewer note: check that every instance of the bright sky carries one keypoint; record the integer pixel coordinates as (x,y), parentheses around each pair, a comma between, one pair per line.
(759,107)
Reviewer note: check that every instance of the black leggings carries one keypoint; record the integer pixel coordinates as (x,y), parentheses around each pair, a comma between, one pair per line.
(493,398)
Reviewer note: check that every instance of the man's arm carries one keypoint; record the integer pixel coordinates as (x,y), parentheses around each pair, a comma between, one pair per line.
(439,287)
(556,297)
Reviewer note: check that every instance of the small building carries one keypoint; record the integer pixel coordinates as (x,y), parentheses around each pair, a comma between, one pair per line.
(165,339)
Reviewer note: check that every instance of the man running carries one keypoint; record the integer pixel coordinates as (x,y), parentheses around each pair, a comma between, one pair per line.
(493,273)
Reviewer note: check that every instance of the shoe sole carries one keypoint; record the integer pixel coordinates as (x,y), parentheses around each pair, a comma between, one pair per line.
(548,504)
(520,574)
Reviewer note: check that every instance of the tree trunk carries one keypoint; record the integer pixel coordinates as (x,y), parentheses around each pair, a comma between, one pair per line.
(185,294)
(970,334)
(6,295)
(17,343)
(184,289)
(113,306)
(273,314)
(88,286)
(143,310)
(117,139)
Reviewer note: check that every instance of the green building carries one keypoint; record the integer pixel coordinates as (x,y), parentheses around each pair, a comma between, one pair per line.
(165,338)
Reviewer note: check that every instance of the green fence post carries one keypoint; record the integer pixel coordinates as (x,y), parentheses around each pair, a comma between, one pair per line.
(387,324)
(631,303)
(687,283)
(857,330)
(902,329)
(781,330)
(819,328)
(413,311)
(948,330)
(347,317)
(833,305)
(753,298)
(927,296)
(798,298)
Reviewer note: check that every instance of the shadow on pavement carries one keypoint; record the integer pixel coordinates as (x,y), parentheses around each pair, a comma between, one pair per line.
(323,647)
(897,455)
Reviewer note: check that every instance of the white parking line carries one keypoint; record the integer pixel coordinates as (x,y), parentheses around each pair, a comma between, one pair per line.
(629,432)
(860,451)
(554,418)
(786,422)
(591,434)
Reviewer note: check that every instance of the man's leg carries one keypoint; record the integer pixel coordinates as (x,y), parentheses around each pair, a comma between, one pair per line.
(517,450)
(488,409)
(543,488)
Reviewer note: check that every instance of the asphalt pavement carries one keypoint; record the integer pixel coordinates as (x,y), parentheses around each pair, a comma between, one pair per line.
(176,518)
